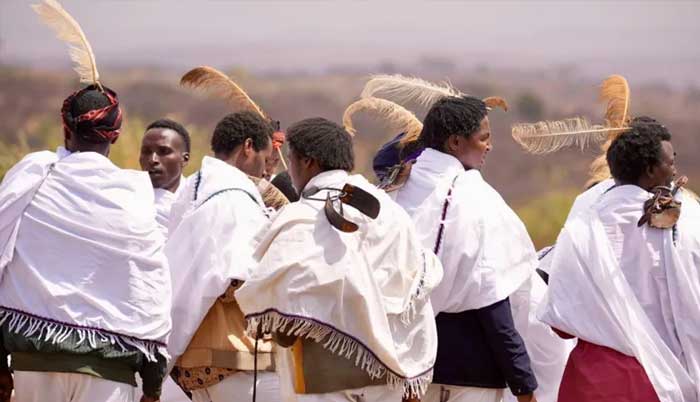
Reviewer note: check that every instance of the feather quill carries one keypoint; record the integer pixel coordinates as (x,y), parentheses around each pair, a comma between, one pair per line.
(213,81)
(68,30)
(395,116)
(549,136)
(403,90)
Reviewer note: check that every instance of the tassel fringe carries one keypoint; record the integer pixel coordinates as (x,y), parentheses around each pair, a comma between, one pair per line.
(339,344)
(410,312)
(47,330)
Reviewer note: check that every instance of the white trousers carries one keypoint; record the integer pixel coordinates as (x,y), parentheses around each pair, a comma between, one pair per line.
(239,388)
(374,393)
(453,393)
(34,386)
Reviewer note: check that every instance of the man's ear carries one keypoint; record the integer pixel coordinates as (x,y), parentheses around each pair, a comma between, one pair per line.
(248,147)
(185,158)
(651,171)
(308,162)
(452,143)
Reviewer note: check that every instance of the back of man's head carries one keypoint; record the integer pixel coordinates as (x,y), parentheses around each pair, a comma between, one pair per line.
(632,154)
(459,115)
(92,119)
(234,129)
(324,141)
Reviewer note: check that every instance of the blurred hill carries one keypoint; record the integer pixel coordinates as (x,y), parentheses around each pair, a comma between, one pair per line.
(540,188)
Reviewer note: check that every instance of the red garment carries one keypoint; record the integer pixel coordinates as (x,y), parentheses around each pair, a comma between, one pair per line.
(596,373)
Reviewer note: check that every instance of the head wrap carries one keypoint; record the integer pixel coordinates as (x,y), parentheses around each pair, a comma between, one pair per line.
(96,126)
(278,139)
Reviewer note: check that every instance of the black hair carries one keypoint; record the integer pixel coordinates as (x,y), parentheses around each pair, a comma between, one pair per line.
(235,128)
(87,101)
(324,141)
(636,150)
(460,115)
(283,182)
(175,126)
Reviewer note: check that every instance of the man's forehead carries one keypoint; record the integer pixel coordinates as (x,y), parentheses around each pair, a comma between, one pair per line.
(667,147)
(164,136)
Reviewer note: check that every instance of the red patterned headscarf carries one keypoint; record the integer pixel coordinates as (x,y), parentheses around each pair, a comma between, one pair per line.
(95,126)
(278,139)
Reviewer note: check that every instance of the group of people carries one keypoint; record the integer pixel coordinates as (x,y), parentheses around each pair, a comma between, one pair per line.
(235,285)
(251,281)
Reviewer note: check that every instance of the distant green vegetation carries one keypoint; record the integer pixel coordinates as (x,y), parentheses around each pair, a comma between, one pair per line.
(545,215)
(47,134)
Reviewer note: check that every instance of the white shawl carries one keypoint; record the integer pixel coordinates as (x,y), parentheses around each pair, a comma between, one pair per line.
(362,293)
(101,271)
(164,201)
(484,247)
(591,297)
(211,243)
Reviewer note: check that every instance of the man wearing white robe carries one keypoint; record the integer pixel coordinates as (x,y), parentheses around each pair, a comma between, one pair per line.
(84,283)
(165,151)
(486,253)
(638,284)
(345,286)
(210,248)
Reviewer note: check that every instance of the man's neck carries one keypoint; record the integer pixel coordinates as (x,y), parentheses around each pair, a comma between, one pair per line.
(174,186)
(629,183)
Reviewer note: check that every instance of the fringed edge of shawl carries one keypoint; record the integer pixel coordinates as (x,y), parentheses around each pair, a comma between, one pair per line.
(56,332)
(420,294)
(340,344)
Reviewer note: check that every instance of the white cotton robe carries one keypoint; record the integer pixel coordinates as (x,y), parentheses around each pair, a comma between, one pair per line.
(632,289)
(366,293)
(101,271)
(211,243)
(486,253)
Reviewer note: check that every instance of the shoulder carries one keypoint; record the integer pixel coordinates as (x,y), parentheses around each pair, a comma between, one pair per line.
(470,192)
(32,162)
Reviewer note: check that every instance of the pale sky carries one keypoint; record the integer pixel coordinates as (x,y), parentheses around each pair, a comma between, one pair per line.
(656,39)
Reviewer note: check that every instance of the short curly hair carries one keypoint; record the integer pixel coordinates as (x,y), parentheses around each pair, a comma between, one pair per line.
(175,126)
(235,128)
(461,115)
(636,150)
(324,141)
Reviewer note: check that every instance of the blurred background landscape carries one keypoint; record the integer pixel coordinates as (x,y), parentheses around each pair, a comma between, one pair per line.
(300,59)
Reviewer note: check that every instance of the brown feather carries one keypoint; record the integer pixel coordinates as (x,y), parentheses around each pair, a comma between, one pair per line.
(213,81)
(393,115)
(616,93)
(496,101)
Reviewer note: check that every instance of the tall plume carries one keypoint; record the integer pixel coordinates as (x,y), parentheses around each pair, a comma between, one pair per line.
(68,30)
(550,136)
(213,81)
(616,92)
(392,114)
(403,90)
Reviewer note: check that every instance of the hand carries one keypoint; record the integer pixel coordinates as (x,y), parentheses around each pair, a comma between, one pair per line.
(410,400)
(6,385)
(149,399)
(527,398)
